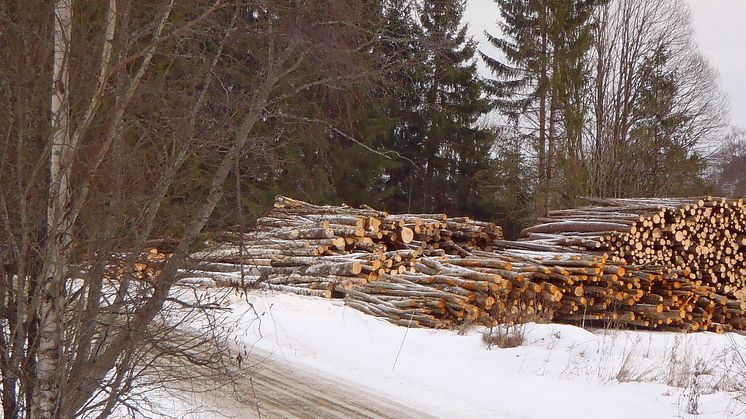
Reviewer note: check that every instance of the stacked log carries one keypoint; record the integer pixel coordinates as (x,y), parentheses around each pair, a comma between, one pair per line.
(705,237)
(422,232)
(669,264)
(589,290)
(295,234)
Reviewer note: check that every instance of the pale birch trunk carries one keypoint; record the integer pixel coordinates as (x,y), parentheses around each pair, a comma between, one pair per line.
(46,390)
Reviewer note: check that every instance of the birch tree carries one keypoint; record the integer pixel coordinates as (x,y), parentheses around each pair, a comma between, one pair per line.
(59,235)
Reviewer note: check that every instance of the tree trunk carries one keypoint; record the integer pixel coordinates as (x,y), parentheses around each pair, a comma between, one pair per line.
(46,390)
(551,143)
(543,206)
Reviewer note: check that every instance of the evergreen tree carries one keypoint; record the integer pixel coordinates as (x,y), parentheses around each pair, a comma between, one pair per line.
(400,113)
(367,154)
(421,117)
(570,38)
(666,164)
(455,151)
(329,136)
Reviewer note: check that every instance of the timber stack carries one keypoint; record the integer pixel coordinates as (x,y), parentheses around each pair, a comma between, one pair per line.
(704,236)
(669,264)
(319,250)
(687,254)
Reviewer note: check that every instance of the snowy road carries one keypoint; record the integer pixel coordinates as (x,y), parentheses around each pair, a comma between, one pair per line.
(284,392)
(276,390)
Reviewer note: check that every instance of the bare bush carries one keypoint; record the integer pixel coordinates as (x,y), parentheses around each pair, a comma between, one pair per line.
(505,336)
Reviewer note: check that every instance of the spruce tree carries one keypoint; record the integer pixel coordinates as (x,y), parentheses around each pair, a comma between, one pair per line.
(400,112)
(456,151)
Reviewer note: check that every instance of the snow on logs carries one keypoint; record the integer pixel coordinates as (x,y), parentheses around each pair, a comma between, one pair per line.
(329,249)
(670,264)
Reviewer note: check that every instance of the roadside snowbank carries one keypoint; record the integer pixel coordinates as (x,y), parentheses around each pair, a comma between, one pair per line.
(559,372)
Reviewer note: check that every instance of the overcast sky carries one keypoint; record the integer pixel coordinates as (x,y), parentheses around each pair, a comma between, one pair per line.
(721,32)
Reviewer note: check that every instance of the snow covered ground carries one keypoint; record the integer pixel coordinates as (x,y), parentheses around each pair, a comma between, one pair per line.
(559,372)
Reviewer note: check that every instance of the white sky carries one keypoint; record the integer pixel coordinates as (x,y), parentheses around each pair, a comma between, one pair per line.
(721,32)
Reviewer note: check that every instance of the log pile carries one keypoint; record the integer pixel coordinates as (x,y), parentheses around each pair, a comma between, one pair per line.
(670,264)
(590,289)
(312,240)
(699,243)
(706,236)
(519,286)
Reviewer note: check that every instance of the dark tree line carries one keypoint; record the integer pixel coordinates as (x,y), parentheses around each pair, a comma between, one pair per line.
(421,117)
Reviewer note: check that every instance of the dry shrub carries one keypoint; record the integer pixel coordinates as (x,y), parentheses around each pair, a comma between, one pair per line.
(680,365)
(464,327)
(630,370)
(511,330)
(505,336)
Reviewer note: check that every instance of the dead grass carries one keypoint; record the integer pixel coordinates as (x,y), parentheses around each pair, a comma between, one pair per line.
(630,370)
(680,364)
(695,387)
(625,374)
(465,327)
(505,336)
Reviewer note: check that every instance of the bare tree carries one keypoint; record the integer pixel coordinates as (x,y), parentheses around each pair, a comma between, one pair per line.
(655,101)
(730,164)
(143,94)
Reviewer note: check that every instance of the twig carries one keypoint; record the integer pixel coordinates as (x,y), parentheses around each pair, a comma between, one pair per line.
(401,346)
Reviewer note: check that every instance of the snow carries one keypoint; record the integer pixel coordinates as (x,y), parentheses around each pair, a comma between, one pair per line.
(171,404)
(560,371)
